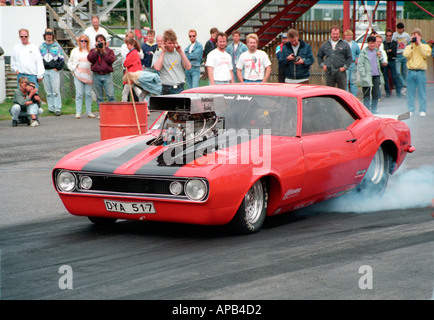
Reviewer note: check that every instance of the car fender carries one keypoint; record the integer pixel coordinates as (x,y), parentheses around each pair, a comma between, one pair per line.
(372,132)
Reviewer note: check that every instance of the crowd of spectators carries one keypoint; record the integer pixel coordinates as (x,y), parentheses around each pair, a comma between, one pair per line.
(160,66)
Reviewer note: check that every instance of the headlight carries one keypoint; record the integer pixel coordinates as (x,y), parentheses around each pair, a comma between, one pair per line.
(176,188)
(66,181)
(85,182)
(195,189)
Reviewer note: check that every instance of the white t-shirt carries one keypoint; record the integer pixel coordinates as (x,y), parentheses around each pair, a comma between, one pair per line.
(221,63)
(295,49)
(402,39)
(334,43)
(91,34)
(254,64)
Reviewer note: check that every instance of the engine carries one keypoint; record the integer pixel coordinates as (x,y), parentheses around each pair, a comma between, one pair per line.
(189,118)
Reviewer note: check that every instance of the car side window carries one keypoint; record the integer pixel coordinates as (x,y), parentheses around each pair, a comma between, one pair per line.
(322,114)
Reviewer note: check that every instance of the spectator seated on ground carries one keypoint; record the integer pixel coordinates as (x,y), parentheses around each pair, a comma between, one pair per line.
(25,109)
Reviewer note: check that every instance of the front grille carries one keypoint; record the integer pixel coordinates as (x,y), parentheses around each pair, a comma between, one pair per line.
(130,185)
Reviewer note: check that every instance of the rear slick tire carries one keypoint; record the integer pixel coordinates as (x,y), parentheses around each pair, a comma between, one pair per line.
(252,211)
(375,180)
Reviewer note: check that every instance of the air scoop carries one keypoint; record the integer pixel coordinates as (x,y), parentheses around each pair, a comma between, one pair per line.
(189,117)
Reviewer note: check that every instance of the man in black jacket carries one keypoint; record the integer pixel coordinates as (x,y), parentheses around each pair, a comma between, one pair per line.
(210,45)
(338,59)
(297,58)
(391,47)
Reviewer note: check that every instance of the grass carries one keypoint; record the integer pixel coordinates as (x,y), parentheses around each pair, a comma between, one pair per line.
(68,107)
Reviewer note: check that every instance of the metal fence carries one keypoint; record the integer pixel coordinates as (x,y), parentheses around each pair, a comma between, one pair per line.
(67,88)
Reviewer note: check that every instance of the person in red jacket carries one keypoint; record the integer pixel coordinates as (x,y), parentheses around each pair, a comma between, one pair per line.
(132,63)
(102,59)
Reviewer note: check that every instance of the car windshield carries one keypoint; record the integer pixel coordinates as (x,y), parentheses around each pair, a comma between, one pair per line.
(277,113)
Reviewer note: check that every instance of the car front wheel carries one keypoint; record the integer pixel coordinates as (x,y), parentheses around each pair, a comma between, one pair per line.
(377,175)
(252,211)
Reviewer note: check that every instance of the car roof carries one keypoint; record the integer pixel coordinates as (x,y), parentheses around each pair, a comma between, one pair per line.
(278,89)
(298,91)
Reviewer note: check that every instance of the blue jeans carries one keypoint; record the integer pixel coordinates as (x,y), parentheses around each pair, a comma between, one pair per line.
(52,88)
(416,80)
(391,65)
(80,89)
(192,76)
(101,83)
(34,108)
(401,70)
(352,79)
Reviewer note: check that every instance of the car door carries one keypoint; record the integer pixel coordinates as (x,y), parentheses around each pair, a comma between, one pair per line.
(329,148)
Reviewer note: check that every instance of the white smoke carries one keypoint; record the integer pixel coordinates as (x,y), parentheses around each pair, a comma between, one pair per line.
(412,188)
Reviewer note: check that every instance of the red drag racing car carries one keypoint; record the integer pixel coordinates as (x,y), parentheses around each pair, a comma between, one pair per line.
(234,154)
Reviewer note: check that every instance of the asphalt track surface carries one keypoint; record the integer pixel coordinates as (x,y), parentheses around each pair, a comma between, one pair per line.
(337,251)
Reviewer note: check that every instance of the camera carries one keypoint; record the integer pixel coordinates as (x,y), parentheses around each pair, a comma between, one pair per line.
(297,58)
(100,45)
(414,39)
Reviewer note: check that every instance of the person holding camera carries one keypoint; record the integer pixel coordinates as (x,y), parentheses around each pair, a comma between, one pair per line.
(296,57)
(417,54)
(102,59)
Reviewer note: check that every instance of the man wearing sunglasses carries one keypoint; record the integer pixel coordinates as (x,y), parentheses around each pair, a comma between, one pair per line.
(194,54)
(26,60)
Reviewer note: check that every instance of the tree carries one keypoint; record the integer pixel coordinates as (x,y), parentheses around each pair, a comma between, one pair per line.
(411,11)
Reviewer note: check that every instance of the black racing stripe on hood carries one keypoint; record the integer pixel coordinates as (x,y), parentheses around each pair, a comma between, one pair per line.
(111,160)
(172,159)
